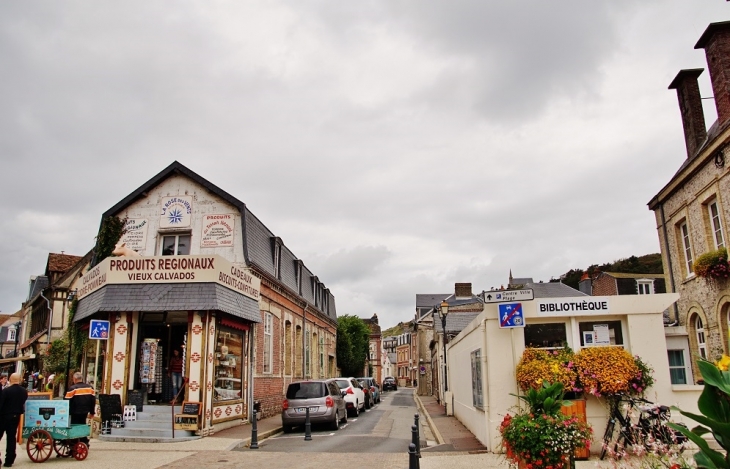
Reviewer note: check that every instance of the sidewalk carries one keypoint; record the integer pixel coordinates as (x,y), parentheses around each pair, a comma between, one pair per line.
(449,433)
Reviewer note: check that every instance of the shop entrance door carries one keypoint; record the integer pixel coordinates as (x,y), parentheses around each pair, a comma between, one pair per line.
(160,334)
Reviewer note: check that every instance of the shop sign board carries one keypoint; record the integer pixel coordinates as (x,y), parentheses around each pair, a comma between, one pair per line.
(574,306)
(135,234)
(176,212)
(217,230)
(98,329)
(504,296)
(510,315)
(170,269)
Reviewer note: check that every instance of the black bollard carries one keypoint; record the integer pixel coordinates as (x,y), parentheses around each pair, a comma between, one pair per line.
(418,435)
(413,457)
(254,433)
(307,427)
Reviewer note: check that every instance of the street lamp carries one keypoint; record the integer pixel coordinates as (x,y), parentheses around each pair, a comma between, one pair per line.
(443,312)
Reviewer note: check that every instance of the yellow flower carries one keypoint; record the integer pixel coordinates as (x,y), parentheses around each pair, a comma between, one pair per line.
(724,363)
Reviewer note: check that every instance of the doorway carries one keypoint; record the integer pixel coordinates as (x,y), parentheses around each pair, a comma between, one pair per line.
(159,335)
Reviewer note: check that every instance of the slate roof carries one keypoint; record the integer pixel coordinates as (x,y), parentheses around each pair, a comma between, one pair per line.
(169,297)
(521,281)
(61,262)
(429,300)
(553,290)
(623,275)
(37,285)
(258,243)
(455,322)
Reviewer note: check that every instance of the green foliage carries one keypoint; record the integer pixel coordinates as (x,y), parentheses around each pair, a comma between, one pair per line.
(712,265)
(647,264)
(546,400)
(714,404)
(56,356)
(110,232)
(353,340)
(398,329)
(75,336)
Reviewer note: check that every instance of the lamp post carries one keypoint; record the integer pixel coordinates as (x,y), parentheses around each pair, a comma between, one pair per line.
(443,312)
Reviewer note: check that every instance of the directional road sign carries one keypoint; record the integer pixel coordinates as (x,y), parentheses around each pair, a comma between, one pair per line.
(510,315)
(503,296)
(98,329)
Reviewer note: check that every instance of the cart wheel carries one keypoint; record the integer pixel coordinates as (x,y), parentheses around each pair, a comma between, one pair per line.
(80,451)
(39,446)
(62,448)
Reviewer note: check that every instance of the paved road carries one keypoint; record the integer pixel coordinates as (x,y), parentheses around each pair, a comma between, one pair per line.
(385,428)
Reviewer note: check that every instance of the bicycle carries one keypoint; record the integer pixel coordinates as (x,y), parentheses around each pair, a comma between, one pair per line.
(649,428)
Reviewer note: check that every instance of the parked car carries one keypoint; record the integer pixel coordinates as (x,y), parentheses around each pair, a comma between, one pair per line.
(390,384)
(353,394)
(373,390)
(324,399)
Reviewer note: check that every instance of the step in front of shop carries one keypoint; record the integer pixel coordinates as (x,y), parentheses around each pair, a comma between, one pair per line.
(153,425)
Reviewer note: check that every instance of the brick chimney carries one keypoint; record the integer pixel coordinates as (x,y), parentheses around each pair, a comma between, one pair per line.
(716,42)
(690,106)
(462,290)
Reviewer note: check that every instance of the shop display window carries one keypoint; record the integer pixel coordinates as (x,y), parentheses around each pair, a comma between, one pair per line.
(93,369)
(228,365)
(601,333)
(546,335)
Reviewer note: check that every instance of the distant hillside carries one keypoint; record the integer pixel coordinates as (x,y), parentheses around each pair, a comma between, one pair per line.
(398,329)
(647,264)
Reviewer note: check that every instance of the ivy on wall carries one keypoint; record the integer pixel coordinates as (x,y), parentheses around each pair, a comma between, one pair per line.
(110,232)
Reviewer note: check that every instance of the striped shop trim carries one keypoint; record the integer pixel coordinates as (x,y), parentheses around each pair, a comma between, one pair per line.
(80,392)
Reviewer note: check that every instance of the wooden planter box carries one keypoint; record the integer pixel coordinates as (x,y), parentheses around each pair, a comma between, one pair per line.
(578,408)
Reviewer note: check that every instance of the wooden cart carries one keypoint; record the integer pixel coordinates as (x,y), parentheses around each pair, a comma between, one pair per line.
(47,428)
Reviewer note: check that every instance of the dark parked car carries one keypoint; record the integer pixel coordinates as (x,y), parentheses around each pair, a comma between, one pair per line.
(390,384)
(372,387)
(324,399)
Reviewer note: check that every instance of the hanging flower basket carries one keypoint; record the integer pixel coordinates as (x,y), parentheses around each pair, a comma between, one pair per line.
(712,265)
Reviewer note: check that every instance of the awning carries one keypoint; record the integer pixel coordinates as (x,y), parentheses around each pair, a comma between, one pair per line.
(30,341)
(16,359)
(168,297)
(234,323)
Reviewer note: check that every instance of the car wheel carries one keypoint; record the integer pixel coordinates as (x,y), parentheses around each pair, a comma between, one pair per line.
(367,402)
(344,419)
(335,425)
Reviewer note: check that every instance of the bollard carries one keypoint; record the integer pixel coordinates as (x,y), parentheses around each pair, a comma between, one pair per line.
(254,433)
(414,438)
(418,435)
(412,457)
(307,427)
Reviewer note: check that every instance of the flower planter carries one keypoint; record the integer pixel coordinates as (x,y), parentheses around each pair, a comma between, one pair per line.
(578,408)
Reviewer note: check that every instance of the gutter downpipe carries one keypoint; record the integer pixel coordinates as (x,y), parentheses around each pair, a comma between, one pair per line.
(485,384)
(669,260)
(50,318)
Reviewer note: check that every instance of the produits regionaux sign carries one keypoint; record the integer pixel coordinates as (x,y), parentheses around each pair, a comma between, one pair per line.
(170,269)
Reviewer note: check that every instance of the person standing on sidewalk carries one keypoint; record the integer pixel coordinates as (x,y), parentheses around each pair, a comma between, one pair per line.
(174,370)
(82,401)
(12,406)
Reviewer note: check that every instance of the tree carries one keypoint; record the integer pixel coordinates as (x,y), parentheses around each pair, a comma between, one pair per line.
(353,344)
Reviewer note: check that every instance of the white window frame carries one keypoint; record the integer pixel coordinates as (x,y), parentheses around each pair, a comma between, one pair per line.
(477,393)
(718,237)
(11,334)
(645,287)
(683,366)
(277,260)
(701,339)
(686,247)
(268,342)
(177,243)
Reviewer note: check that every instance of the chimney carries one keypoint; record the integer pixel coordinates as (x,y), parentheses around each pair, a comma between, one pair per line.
(690,106)
(585,284)
(716,42)
(462,290)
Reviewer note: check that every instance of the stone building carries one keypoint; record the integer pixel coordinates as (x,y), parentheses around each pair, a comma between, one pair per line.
(616,283)
(375,350)
(692,209)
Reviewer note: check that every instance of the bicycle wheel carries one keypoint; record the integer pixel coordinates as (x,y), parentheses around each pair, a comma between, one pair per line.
(607,437)
(620,447)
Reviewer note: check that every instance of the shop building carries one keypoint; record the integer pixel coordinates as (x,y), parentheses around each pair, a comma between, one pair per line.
(198,274)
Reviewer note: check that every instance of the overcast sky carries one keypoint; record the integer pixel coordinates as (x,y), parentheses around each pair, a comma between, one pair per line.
(397,147)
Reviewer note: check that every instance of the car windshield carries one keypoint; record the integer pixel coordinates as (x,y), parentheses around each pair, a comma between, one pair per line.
(343,384)
(305,390)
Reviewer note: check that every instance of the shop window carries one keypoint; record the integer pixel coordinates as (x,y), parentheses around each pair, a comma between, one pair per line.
(645,287)
(546,335)
(268,342)
(176,245)
(701,343)
(228,365)
(321,355)
(601,333)
(677,366)
(476,379)
(93,369)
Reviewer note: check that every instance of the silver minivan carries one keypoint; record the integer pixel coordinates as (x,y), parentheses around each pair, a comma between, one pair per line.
(322,397)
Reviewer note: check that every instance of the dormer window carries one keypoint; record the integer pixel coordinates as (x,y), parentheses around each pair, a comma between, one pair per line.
(277,260)
(176,245)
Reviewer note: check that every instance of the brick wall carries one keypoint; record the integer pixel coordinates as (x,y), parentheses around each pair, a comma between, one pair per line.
(604,285)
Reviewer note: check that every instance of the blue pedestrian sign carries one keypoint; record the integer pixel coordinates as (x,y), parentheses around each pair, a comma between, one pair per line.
(98,329)
(510,315)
